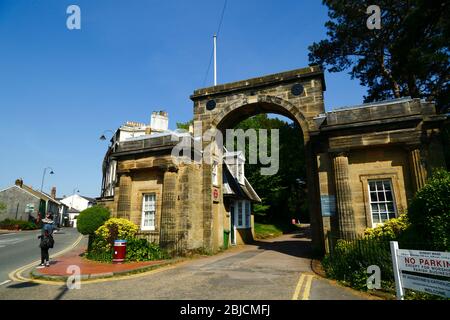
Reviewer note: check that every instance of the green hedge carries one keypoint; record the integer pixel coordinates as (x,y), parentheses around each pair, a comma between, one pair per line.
(429,214)
(91,219)
(23,225)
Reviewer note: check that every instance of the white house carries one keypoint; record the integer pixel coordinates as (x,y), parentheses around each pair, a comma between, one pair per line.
(76,204)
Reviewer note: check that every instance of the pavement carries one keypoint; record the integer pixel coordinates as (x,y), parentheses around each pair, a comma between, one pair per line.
(60,266)
(277,269)
(19,248)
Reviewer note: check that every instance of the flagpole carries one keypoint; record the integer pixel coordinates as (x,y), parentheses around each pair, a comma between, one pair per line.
(215,60)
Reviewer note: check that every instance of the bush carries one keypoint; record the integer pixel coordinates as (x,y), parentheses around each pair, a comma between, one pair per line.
(390,230)
(142,250)
(429,213)
(349,261)
(111,230)
(12,224)
(91,219)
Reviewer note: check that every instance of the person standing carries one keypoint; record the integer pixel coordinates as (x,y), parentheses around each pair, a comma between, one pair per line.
(47,241)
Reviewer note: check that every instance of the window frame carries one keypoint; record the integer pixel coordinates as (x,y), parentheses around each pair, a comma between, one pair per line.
(379,202)
(143,211)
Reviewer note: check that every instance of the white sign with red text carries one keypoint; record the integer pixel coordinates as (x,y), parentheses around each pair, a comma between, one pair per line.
(429,262)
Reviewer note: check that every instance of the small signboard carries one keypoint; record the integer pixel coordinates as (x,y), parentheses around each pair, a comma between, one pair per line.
(430,263)
(216,194)
(428,285)
(328,205)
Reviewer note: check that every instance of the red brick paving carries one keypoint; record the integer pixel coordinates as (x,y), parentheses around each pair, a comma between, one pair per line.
(59,265)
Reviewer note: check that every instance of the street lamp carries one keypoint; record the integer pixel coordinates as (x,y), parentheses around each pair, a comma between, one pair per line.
(103,137)
(43,176)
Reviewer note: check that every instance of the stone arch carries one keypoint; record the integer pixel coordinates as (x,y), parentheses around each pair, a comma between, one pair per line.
(263,104)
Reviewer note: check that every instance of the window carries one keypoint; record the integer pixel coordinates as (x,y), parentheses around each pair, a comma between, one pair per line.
(148,211)
(214,175)
(243,214)
(240,214)
(247,214)
(382,204)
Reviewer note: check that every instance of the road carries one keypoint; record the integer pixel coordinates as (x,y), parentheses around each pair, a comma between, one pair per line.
(21,248)
(269,270)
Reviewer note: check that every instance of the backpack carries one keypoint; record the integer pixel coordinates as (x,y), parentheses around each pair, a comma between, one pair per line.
(47,242)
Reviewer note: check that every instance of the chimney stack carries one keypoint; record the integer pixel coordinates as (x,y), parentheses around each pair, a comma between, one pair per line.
(159,121)
(53,193)
(19,183)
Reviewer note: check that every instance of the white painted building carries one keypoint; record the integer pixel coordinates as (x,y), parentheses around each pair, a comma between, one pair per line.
(159,123)
(76,204)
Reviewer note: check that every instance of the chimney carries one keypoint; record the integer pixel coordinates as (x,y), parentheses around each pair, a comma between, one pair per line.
(19,183)
(159,121)
(53,193)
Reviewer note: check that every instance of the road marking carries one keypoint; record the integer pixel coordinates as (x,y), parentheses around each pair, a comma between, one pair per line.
(16,275)
(5,282)
(90,281)
(307,290)
(299,286)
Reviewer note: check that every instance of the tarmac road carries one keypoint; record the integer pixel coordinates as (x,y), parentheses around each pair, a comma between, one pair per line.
(22,247)
(278,269)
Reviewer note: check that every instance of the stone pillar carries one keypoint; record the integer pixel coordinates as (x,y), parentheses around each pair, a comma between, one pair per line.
(168,230)
(346,217)
(418,169)
(124,202)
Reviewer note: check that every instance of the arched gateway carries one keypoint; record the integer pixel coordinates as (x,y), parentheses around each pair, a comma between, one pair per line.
(364,164)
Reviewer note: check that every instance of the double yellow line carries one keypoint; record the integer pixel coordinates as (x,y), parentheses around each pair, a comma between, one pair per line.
(16,275)
(306,290)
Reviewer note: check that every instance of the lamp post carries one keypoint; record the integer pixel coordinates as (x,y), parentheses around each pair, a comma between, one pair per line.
(43,176)
(103,137)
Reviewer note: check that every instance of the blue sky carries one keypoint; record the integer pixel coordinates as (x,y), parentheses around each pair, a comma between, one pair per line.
(60,89)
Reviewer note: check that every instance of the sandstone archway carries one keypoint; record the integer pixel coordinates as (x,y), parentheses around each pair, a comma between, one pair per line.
(296,94)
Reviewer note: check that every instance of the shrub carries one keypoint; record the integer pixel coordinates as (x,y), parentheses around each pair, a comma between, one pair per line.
(142,250)
(390,230)
(429,213)
(111,230)
(349,261)
(22,225)
(91,219)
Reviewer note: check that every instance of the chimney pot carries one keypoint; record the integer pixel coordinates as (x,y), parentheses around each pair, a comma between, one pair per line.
(53,193)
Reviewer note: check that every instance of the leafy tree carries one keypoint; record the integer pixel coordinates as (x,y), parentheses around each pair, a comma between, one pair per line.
(185,125)
(2,206)
(408,56)
(283,196)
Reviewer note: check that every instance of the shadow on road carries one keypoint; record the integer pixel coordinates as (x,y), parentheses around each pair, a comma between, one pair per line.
(297,244)
(22,285)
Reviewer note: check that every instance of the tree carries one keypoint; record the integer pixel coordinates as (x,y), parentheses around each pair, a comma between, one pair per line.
(283,197)
(429,213)
(185,125)
(408,56)
(2,207)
